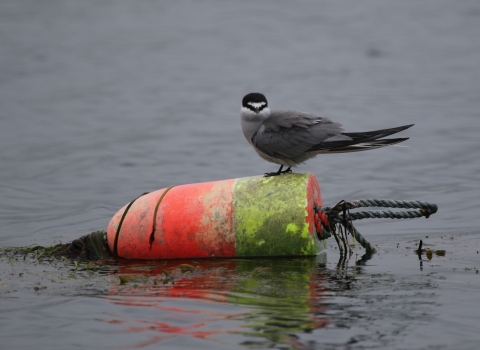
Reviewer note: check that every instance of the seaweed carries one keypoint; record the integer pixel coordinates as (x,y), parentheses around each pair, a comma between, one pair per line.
(90,247)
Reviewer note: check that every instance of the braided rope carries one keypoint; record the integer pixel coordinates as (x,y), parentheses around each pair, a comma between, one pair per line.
(340,214)
(426,209)
(384,214)
(359,238)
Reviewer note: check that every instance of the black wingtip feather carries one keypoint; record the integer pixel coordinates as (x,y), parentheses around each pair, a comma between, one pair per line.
(354,146)
(376,134)
(366,146)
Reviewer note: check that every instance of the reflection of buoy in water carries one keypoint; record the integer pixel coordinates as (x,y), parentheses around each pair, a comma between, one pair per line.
(253,216)
(288,297)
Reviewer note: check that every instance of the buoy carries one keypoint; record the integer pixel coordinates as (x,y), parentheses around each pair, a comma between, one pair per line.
(245,217)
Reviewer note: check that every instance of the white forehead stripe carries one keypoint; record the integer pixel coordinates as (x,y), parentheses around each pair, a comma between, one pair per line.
(256,104)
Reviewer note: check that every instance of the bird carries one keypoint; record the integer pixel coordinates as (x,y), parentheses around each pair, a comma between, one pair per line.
(289,138)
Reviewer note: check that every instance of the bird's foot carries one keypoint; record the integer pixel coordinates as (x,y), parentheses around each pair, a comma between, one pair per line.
(279,172)
(276,173)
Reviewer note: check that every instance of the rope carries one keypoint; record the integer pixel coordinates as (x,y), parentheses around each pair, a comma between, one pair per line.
(426,209)
(115,243)
(328,218)
(359,238)
(154,226)
(384,214)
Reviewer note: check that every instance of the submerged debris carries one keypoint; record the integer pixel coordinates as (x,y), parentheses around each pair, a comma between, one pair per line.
(91,247)
(186,267)
(36,251)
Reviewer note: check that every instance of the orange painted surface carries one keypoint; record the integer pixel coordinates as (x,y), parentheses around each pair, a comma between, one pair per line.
(225,218)
(192,221)
(314,199)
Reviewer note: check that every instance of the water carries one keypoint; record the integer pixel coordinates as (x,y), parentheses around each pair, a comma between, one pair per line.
(102,101)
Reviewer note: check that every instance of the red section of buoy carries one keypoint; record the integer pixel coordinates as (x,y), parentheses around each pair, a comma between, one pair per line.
(252,216)
(192,221)
(314,199)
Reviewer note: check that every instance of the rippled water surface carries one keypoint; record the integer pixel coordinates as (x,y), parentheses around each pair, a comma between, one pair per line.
(101,101)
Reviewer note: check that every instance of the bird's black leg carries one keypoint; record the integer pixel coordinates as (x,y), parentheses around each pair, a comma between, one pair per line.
(279,172)
(274,173)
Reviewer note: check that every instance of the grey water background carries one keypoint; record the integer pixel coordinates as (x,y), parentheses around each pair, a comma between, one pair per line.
(101,101)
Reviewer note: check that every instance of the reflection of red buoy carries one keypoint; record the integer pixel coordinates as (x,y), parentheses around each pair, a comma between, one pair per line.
(208,280)
(279,296)
(252,216)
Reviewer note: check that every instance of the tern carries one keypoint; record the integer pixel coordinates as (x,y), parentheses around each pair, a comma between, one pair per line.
(289,138)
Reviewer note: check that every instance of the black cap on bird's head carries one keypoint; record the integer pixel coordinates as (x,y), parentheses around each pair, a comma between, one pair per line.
(255,101)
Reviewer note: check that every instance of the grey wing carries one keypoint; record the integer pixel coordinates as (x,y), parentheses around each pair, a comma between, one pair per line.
(289,134)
